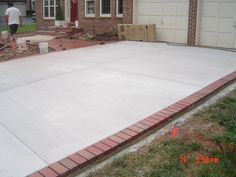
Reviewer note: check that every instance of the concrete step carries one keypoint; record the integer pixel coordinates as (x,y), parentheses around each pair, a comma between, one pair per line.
(43,32)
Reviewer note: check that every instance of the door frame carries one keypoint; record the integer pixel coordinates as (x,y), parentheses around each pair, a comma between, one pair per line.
(71,12)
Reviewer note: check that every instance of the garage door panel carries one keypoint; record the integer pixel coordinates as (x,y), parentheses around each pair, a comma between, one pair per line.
(180,36)
(181,23)
(210,9)
(169,22)
(143,9)
(155,9)
(169,8)
(209,24)
(165,35)
(182,9)
(2,9)
(208,38)
(225,40)
(227,9)
(156,20)
(168,15)
(143,20)
(225,25)
(21,7)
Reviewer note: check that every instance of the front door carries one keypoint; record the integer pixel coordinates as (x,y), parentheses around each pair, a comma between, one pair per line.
(73,10)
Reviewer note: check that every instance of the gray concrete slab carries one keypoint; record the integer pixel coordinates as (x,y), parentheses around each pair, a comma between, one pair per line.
(13,150)
(59,103)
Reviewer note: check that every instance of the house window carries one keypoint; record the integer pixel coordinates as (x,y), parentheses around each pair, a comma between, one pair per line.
(90,8)
(49,8)
(105,8)
(33,5)
(119,8)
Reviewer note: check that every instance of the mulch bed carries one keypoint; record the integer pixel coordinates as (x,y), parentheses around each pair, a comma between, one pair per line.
(58,44)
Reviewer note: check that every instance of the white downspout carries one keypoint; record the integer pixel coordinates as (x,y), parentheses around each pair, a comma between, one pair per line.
(66,10)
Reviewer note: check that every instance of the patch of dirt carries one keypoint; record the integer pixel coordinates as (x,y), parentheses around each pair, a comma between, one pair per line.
(8,53)
(66,44)
(58,44)
(196,129)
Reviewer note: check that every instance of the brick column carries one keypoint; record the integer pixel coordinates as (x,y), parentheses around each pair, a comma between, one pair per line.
(128,11)
(192,22)
(39,13)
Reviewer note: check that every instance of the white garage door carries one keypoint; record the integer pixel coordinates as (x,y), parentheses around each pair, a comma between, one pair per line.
(3,8)
(170,16)
(218,23)
(20,5)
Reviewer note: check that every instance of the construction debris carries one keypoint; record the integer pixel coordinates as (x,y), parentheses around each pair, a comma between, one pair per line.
(3,47)
(10,50)
(87,36)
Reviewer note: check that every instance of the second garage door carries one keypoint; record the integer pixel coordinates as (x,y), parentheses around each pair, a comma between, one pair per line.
(170,16)
(218,23)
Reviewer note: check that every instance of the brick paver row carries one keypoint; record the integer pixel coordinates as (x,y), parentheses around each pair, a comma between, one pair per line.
(77,161)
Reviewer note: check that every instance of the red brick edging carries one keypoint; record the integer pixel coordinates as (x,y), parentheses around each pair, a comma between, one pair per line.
(105,147)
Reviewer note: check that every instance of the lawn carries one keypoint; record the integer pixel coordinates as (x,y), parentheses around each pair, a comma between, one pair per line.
(24,28)
(204,147)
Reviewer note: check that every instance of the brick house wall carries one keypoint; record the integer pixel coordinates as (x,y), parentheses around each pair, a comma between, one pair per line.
(95,24)
(99,24)
(40,21)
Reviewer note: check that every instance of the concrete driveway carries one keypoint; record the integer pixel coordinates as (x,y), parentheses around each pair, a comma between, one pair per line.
(56,104)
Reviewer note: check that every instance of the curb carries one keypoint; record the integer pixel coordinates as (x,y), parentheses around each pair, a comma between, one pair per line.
(76,162)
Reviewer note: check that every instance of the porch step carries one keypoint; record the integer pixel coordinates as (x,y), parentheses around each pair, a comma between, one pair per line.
(51,33)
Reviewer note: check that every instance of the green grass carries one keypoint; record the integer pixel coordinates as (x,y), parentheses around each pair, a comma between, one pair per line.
(24,28)
(162,157)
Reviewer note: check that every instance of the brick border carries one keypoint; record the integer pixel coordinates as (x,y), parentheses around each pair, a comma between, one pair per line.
(102,149)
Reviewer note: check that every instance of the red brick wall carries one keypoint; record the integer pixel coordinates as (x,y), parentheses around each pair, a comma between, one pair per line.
(192,22)
(99,24)
(40,22)
(95,24)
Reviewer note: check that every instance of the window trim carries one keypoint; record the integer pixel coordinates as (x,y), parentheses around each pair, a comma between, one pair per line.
(117,9)
(85,9)
(55,5)
(105,15)
(33,5)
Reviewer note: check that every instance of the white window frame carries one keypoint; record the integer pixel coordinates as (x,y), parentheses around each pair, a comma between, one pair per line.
(117,9)
(55,6)
(86,14)
(33,5)
(105,15)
